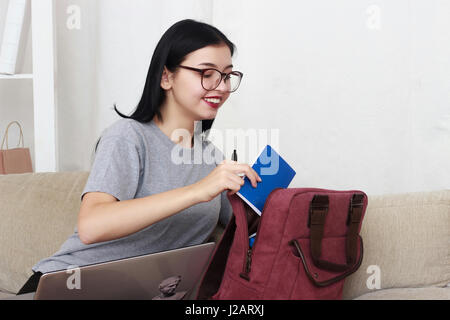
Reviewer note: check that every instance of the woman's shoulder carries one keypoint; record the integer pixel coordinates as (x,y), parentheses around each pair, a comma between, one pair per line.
(124,128)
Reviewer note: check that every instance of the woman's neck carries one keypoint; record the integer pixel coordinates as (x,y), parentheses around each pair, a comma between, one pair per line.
(170,127)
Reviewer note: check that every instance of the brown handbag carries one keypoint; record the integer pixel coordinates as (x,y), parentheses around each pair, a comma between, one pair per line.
(17,160)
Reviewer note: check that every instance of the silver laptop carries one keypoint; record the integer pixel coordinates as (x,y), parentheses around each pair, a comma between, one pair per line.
(164,275)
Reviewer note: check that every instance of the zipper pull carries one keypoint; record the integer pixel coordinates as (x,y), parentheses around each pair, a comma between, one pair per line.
(249,261)
(248,264)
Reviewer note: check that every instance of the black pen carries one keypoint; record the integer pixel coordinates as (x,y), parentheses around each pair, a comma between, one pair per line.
(234,156)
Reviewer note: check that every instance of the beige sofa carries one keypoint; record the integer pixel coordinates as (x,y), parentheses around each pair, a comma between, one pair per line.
(406,236)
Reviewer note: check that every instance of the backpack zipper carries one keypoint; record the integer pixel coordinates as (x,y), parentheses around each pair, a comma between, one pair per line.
(248,257)
(247,265)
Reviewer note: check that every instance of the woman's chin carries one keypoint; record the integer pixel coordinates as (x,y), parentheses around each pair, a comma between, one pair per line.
(209,114)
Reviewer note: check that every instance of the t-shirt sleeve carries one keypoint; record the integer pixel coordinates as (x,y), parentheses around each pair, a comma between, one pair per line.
(116,168)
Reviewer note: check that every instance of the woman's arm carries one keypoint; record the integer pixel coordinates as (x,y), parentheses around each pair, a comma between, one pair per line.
(102,217)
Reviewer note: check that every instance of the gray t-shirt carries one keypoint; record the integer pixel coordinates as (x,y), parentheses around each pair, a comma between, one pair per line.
(135,160)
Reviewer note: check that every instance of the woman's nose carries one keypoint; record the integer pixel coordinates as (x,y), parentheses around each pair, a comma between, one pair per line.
(223,86)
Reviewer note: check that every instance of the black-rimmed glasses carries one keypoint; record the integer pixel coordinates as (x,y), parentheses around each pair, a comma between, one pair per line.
(211,78)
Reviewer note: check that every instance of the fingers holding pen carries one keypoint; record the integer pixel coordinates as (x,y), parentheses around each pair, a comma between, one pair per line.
(224,177)
(241,169)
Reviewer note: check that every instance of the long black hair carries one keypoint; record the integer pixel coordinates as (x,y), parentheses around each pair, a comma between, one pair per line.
(177,42)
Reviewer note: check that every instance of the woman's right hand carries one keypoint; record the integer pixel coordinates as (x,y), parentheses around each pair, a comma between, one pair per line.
(225,177)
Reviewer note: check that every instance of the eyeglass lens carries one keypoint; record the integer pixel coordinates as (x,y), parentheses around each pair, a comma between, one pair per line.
(211,80)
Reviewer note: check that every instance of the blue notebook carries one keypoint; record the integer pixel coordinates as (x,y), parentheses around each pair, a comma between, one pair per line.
(274,172)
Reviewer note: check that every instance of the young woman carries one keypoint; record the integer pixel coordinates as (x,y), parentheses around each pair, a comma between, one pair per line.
(139,198)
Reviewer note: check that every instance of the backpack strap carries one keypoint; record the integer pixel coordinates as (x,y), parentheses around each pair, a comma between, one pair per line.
(353,222)
(318,211)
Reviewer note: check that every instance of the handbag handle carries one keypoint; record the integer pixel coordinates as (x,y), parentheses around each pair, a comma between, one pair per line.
(318,211)
(328,282)
(5,136)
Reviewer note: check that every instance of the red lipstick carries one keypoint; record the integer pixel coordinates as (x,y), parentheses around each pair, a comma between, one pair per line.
(211,104)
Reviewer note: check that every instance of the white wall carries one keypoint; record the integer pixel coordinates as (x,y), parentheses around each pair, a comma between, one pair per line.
(360,102)
(359,90)
(77,55)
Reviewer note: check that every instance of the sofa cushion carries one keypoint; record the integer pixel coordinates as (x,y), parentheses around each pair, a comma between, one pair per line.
(6,295)
(430,293)
(38,212)
(407,237)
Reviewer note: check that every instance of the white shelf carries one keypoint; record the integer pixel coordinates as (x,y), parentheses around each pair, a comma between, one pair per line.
(16,76)
(44,91)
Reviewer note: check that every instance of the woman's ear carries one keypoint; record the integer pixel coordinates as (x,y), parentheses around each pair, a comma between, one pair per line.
(166,82)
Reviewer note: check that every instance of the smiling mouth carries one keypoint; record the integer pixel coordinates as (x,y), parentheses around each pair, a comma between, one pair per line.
(212,104)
